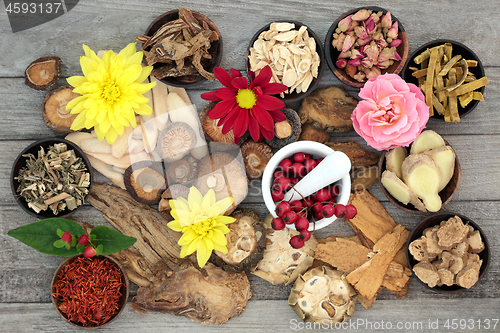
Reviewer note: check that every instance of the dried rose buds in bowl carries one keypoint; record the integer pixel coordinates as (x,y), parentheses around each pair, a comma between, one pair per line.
(364,43)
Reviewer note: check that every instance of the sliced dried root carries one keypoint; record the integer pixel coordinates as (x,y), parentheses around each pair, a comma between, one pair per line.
(426,140)
(394,159)
(444,157)
(400,191)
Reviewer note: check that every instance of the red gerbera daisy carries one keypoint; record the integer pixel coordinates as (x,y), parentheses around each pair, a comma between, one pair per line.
(244,106)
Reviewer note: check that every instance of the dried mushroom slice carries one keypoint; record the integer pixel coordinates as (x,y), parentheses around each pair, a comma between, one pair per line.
(176,141)
(213,133)
(452,232)
(256,156)
(246,242)
(281,262)
(54,112)
(323,295)
(183,170)
(43,73)
(172,192)
(145,181)
(282,138)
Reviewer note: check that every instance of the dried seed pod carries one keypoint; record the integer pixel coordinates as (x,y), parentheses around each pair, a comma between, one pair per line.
(54,112)
(183,170)
(293,120)
(256,155)
(176,141)
(145,181)
(43,73)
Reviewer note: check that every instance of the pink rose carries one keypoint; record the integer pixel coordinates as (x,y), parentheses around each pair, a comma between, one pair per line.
(392,112)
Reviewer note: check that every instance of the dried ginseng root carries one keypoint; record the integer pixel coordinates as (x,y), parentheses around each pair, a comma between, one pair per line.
(290,53)
(43,73)
(56,179)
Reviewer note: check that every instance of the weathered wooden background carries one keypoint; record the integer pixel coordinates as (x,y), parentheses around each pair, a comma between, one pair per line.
(25,274)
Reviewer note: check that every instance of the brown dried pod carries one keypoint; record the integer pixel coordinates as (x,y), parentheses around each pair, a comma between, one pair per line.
(256,155)
(172,192)
(43,73)
(183,170)
(281,129)
(54,112)
(176,141)
(145,181)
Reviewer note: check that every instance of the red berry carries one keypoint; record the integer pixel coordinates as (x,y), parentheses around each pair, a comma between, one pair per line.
(305,235)
(66,237)
(302,213)
(299,157)
(317,207)
(278,174)
(340,210)
(314,197)
(328,210)
(332,201)
(307,156)
(298,169)
(310,164)
(282,208)
(318,215)
(285,165)
(308,202)
(83,239)
(296,205)
(277,195)
(318,161)
(334,191)
(290,217)
(294,181)
(278,224)
(296,242)
(282,184)
(89,252)
(351,211)
(323,195)
(302,224)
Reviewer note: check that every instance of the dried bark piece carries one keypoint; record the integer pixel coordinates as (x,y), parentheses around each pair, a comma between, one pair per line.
(329,109)
(310,133)
(359,157)
(370,276)
(166,71)
(43,73)
(364,178)
(344,255)
(199,67)
(372,220)
(208,295)
(168,29)
(54,112)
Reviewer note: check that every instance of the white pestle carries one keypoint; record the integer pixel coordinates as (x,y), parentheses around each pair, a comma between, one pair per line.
(332,168)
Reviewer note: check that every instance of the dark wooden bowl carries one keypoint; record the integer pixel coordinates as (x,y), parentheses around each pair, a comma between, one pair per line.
(124,290)
(20,162)
(458,48)
(215,49)
(446,194)
(293,97)
(331,53)
(433,220)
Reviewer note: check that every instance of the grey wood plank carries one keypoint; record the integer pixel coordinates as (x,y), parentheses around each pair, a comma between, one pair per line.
(277,316)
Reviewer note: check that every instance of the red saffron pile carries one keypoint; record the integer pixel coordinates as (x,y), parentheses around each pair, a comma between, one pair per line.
(89,291)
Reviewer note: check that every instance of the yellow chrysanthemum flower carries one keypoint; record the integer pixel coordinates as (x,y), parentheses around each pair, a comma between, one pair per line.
(112,91)
(202,223)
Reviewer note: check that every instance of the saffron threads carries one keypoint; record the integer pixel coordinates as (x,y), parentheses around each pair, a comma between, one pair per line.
(89,291)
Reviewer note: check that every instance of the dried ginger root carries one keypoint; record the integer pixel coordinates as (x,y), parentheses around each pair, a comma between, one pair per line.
(394,159)
(426,140)
(444,157)
(400,191)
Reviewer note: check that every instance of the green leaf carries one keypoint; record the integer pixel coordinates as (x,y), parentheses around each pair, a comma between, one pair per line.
(92,237)
(99,250)
(42,234)
(60,232)
(73,241)
(80,248)
(112,240)
(67,246)
(59,243)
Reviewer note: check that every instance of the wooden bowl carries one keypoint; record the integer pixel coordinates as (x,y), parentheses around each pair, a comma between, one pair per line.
(436,219)
(458,48)
(124,290)
(293,97)
(215,49)
(446,194)
(20,162)
(331,53)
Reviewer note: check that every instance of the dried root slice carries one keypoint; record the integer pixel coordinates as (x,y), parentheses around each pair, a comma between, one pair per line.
(182,171)
(427,273)
(107,171)
(418,249)
(145,181)
(444,157)
(400,191)
(475,242)
(422,175)
(256,155)
(176,141)
(121,146)
(467,277)
(426,140)
(394,159)
(54,112)
(287,131)
(43,73)
(359,156)
(310,133)
(452,232)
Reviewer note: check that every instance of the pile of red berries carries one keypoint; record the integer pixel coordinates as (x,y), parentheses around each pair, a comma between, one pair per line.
(317,206)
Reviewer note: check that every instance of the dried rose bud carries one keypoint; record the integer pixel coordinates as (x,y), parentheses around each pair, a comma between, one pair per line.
(371,50)
(384,65)
(387,20)
(363,42)
(360,77)
(393,31)
(366,62)
(355,54)
(395,55)
(396,42)
(373,73)
(350,70)
(370,26)
(352,26)
(374,17)
(344,55)
(341,63)
(361,32)
(361,15)
(377,36)
(381,43)
(338,42)
(348,43)
(354,62)
(345,23)
(384,55)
